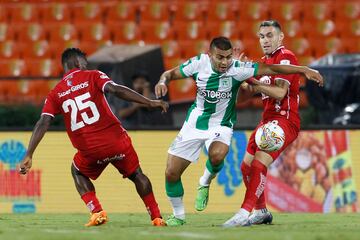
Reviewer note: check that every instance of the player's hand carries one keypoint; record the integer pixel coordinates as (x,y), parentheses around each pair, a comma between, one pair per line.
(314,75)
(25,165)
(237,54)
(160,103)
(160,89)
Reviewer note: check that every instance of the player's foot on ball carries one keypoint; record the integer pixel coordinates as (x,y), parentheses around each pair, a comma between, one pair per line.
(159,222)
(173,221)
(202,198)
(262,216)
(97,219)
(237,220)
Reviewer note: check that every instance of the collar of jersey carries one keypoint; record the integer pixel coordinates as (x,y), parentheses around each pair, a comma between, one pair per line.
(71,72)
(280,47)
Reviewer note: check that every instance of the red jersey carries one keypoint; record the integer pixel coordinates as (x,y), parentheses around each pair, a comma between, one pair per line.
(288,107)
(89,121)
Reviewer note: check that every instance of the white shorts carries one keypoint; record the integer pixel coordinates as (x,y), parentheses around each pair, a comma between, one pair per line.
(189,142)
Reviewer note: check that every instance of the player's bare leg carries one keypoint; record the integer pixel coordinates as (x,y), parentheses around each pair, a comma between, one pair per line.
(174,188)
(217,153)
(86,190)
(144,189)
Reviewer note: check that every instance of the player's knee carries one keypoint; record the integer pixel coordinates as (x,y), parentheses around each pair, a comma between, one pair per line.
(172,175)
(216,157)
(138,175)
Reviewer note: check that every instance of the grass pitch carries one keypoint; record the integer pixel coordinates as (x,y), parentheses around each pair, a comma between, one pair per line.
(198,226)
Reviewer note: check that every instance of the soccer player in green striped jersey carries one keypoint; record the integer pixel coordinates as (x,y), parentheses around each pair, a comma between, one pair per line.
(211,118)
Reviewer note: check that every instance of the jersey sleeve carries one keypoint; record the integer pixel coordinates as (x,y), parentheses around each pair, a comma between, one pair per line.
(245,70)
(50,107)
(191,66)
(285,59)
(101,79)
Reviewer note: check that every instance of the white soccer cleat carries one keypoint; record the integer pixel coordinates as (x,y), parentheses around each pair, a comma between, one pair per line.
(239,219)
(262,216)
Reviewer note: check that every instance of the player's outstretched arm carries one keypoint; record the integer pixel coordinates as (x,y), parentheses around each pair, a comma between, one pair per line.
(277,91)
(161,88)
(38,133)
(128,94)
(312,74)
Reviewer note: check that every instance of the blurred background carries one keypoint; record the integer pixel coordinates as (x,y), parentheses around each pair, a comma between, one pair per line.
(125,37)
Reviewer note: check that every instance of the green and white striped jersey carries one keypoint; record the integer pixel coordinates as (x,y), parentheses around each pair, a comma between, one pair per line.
(216,92)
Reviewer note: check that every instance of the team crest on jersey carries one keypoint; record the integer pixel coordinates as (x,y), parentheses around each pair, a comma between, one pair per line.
(69,83)
(225,82)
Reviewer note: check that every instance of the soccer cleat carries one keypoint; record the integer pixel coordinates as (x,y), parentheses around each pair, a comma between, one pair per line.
(159,222)
(173,221)
(261,217)
(202,198)
(237,220)
(97,219)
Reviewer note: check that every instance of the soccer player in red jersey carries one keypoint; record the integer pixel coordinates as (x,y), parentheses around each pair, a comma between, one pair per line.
(95,132)
(280,95)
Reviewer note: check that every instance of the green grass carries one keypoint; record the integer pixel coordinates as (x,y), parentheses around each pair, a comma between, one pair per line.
(198,226)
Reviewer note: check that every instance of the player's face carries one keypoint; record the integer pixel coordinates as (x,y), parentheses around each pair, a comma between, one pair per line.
(220,59)
(270,39)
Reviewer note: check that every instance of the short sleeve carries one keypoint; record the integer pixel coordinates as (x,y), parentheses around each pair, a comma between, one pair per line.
(50,107)
(286,59)
(101,79)
(245,70)
(191,66)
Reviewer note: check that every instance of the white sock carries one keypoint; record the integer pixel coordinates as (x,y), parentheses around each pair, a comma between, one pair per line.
(178,207)
(263,210)
(205,179)
(244,212)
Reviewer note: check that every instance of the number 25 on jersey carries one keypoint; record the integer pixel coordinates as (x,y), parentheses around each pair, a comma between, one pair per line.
(78,104)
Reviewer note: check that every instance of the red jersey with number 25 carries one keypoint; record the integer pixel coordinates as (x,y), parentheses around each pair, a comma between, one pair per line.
(80,98)
(288,107)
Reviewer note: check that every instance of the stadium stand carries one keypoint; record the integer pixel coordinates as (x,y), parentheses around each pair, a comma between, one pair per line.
(38,30)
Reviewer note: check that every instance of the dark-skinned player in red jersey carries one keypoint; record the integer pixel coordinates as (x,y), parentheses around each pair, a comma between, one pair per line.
(95,132)
(280,95)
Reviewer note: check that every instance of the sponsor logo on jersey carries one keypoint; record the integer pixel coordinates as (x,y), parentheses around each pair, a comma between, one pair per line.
(212,96)
(285,62)
(74,89)
(111,159)
(246,64)
(104,76)
(225,82)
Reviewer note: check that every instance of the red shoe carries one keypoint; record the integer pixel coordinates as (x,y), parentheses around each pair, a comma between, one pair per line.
(97,219)
(158,222)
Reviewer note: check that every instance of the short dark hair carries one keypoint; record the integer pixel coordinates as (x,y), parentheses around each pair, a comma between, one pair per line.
(70,53)
(222,43)
(270,23)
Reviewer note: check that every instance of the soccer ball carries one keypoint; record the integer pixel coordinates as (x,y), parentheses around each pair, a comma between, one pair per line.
(270,137)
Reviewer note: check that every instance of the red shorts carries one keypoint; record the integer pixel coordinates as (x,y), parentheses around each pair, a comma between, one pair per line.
(290,131)
(119,152)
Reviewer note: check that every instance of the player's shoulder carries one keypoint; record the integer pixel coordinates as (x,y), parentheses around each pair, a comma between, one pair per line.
(286,52)
(198,61)
(286,55)
(200,58)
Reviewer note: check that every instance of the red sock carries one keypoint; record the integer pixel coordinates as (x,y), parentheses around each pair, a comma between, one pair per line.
(246,171)
(151,206)
(261,203)
(256,186)
(92,202)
